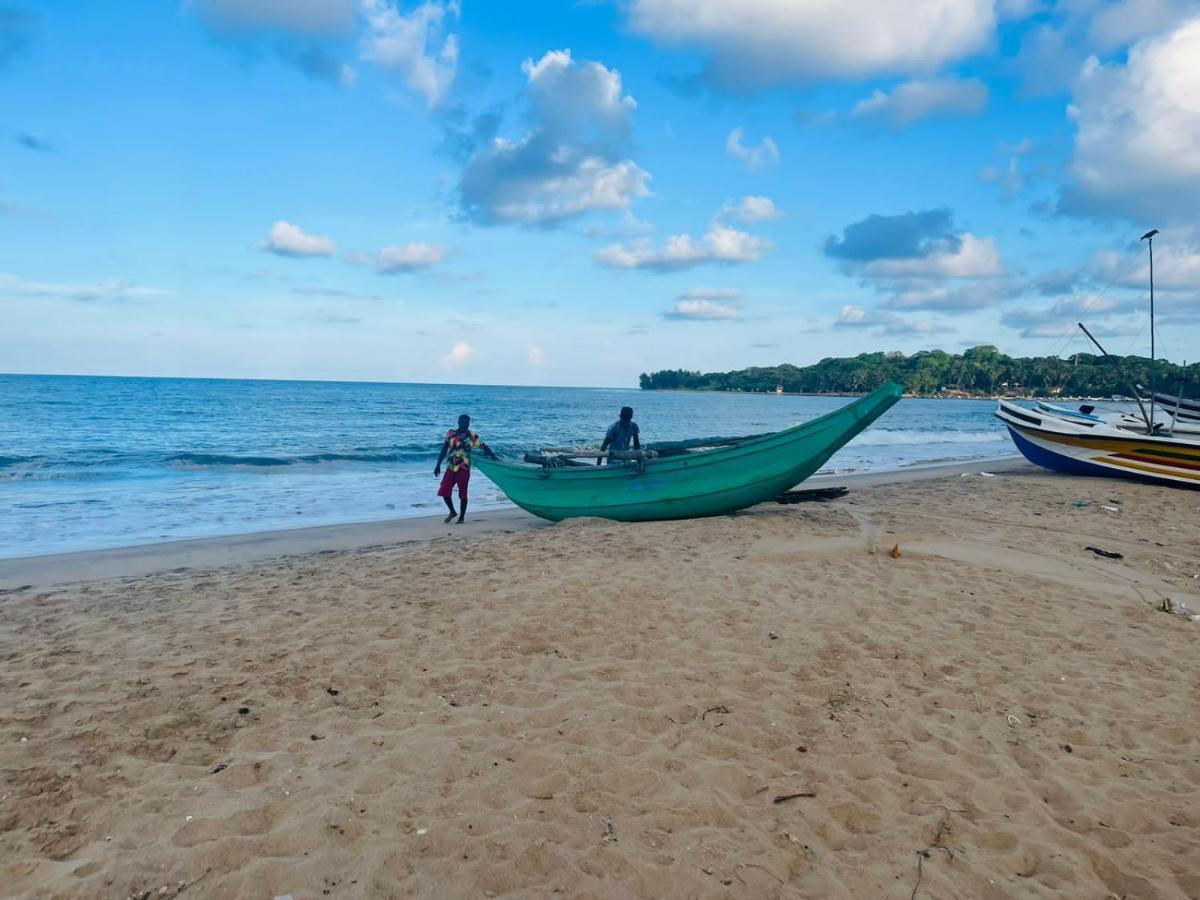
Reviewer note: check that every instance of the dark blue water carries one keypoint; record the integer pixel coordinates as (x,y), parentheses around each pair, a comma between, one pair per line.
(103,462)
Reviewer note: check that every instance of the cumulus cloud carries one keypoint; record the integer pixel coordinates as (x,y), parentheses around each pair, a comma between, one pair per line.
(570,162)
(756,44)
(1137,130)
(764,154)
(286,239)
(907,235)
(951,298)
(751,209)
(117,289)
(919,261)
(706,304)
(1116,25)
(721,244)
(913,101)
(16,31)
(967,256)
(1062,317)
(460,354)
(1176,264)
(414,45)
(1051,54)
(855,317)
(398,259)
(913,245)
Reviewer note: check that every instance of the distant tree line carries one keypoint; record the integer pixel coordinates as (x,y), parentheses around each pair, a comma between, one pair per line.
(979,371)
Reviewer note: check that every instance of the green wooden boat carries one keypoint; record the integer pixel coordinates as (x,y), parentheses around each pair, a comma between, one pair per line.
(703,483)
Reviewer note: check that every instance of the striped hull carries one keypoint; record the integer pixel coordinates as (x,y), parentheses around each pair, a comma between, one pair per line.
(1082,449)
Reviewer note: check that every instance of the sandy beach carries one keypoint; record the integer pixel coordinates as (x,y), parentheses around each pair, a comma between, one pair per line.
(770,704)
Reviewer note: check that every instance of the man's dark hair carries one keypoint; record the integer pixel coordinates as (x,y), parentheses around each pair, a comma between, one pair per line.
(464,420)
(626,413)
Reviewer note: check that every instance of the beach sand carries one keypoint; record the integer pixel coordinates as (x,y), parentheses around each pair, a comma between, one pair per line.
(759,705)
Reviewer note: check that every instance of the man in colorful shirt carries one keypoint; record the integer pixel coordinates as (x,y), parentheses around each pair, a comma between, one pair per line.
(456,451)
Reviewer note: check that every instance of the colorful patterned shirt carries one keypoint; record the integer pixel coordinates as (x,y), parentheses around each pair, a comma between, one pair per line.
(460,449)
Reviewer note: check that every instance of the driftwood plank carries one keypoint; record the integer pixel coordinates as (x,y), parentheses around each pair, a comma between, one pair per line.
(814,495)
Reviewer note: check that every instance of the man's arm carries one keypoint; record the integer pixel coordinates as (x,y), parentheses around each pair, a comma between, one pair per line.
(637,442)
(603,447)
(437,470)
(487,450)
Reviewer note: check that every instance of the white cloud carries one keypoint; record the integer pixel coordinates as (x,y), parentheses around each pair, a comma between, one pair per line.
(401,258)
(701,310)
(752,157)
(570,162)
(307,17)
(1137,132)
(720,244)
(752,209)
(460,354)
(973,257)
(915,100)
(1119,24)
(286,239)
(1062,317)
(1176,264)
(756,44)
(537,356)
(116,289)
(412,45)
(706,304)
(952,298)
(856,317)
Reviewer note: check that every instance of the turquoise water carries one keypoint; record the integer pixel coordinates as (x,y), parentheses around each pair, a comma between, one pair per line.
(104,462)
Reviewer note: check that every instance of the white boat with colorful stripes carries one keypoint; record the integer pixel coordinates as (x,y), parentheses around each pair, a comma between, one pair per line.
(1083,447)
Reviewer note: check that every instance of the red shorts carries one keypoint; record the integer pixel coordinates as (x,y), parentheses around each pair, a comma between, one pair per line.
(451,478)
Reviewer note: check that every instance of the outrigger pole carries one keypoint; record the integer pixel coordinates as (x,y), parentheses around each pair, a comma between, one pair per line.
(1112,359)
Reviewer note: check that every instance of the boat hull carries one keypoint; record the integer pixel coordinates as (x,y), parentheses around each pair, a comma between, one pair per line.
(705,483)
(1099,449)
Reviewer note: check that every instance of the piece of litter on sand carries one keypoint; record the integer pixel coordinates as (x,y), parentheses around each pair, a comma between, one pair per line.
(895,551)
(1107,554)
(1178,608)
(719,710)
(783,797)
(422,831)
(1080,504)
(1111,508)
(988,474)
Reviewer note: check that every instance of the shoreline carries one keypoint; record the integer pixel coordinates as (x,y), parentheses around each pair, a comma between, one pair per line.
(21,573)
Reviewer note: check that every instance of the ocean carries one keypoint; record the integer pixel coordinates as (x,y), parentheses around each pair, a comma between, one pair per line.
(92,462)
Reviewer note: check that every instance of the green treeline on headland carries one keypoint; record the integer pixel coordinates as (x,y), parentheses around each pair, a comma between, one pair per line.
(981,371)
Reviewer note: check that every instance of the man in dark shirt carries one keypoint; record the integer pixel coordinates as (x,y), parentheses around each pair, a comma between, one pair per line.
(620,434)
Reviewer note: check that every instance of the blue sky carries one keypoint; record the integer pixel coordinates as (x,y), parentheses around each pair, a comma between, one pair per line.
(574,193)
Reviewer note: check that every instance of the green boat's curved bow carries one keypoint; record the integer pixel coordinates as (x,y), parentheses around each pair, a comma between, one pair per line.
(705,483)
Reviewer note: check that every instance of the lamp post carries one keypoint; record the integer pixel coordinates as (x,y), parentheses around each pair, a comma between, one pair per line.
(1148,237)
